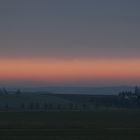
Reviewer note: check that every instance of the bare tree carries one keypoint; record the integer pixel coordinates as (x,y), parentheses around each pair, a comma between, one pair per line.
(22,106)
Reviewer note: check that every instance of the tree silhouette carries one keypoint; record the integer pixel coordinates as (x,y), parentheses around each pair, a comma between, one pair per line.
(137,91)
(84,106)
(50,106)
(59,106)
(71,106)
(37,105)
(1,92)
(31,106)
(76,107)
(22,106)
(6,106)
(46,106)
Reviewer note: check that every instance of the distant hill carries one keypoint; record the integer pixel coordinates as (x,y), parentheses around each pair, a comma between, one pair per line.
(88,90)
(78,90)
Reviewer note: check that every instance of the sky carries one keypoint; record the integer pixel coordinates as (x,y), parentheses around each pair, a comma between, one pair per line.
(70,42)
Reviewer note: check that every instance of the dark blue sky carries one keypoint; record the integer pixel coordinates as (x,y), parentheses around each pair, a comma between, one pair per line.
(70,28)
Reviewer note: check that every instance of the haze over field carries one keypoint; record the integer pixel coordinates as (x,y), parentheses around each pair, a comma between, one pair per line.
(69,43)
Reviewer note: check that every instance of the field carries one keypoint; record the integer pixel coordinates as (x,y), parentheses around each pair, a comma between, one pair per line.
(97,125)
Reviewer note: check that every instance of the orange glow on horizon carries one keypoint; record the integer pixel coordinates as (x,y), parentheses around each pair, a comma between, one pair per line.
(82,69)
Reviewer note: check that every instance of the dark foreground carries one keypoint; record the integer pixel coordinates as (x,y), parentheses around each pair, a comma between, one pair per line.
(98,125)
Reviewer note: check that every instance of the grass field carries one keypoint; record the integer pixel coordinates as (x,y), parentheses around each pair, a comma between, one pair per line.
(98,125)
